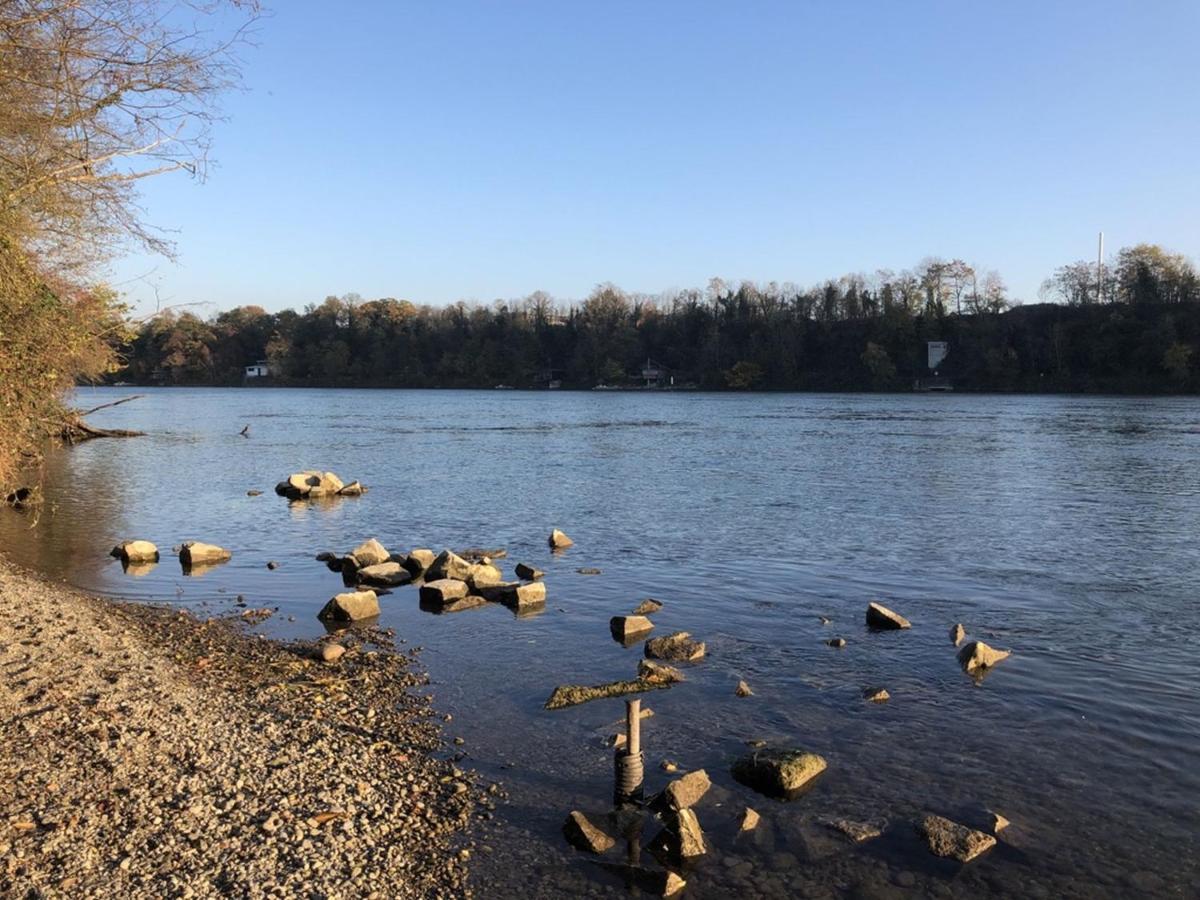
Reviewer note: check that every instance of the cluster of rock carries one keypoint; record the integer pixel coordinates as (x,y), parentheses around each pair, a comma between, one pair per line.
(193,555)
(313,484)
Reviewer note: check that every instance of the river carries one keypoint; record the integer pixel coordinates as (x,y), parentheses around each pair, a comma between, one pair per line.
(1062,528)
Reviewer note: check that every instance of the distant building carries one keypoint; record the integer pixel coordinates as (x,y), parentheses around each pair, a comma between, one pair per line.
(656,375)
(259,370)
(938,351)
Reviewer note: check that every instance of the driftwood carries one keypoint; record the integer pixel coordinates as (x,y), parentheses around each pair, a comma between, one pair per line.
(76,431)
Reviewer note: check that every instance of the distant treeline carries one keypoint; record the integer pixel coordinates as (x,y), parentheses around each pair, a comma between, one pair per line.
(1134,330)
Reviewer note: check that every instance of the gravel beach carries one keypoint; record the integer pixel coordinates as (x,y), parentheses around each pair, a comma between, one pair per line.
(147,753)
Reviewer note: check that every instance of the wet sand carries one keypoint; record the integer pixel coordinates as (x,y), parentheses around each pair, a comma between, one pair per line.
(148,753)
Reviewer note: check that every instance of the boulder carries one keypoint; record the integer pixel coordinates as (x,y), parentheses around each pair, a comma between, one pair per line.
(135,552)
(646,607)
(958,634)
(370,553)
(528,573)
(350,607)
(195,553)
(953,841)
(879,616)
(516,594)
(559,541)
(680,839)
(977,657)
(837,642)
(749,821)
(677,647)
(387,574)
(419,560)
(443,590)
(583,835)
(876,695)
(448,564)
(685,792)
(658,673)
(778,773)
(483,575)
(625,627)
(743,690)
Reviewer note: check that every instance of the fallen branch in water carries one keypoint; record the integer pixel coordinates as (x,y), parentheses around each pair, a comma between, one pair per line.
(76,431)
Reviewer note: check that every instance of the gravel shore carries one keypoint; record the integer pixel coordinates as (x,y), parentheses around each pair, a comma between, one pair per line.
(147,753)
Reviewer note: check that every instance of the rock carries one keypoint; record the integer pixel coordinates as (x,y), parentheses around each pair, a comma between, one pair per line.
(856,831)
(559,541)
(482,554)
(448,564)
(330,483)
(135,552)
(386,574)
(471,601)
(749,821)
(516,595)
(658,673)
(838,642)
(743,690)
(999,823)
(977,657)
(370,553)
(685,792)
(876,695)
(443,590)
(957,634)
(253,493)
(326,557)
(571,695)
(350,607)
(20,498)
(677,647)
(879,616)
(583,835)
(483,575)
(528,573)
(667,766)
(625,627)
(195,553)
(953,841)
(348,565)
(272,565)
(681,839)
(778,773)
(332,652)
(588,571)
(419,560)
(353,489)
(646,607)
(825,620)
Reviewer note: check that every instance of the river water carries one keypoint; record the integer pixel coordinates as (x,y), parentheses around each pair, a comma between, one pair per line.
(1062,528)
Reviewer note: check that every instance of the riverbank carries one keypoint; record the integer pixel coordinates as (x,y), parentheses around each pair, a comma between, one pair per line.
(150,753)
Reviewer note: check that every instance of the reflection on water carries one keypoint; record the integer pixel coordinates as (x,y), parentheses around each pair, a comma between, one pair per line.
(1061,528)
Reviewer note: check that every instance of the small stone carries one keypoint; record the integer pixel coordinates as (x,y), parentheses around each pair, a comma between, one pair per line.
(856,831)
(951,840)
(253,493)
(582,834)
(957,634)
(876,695)
(588,571)
(559,541)
(749,821)
(667,766)
(825,620)
(977,657)
(332,652)
(879,616)
(743,690)
(647,607)
(778,772)
(272,565)
(999,823)
(838,642)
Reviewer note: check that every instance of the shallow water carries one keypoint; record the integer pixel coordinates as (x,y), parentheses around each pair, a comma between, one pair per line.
(1063,528)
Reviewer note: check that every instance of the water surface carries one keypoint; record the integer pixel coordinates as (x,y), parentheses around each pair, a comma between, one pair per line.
(1063,528)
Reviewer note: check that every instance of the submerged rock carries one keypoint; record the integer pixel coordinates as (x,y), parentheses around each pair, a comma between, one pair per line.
(135,552)
(559,541)
(370,553)
(448,564)
(583,835)
(743,690)
(571,695)
(659,673)
(351,607)
(471,601)
(778,773)
(977,657)
(879,616)
(588,571)
(625,627)
(196,553)
(647,607)
(958,634)
(856,831)
(677,647)
(953,841)
(876,695)
(837,642)
(528,573)
(750,820)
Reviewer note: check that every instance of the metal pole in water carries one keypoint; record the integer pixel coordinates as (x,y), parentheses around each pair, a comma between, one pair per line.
(633,726)
(1100,271)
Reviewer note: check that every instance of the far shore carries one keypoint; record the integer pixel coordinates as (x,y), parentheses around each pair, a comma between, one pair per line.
(148,752)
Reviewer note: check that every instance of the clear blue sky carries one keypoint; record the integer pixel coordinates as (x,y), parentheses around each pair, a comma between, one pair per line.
(439,151)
